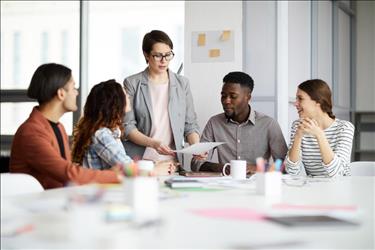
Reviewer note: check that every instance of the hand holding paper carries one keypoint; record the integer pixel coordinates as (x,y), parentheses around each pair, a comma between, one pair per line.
(199,148)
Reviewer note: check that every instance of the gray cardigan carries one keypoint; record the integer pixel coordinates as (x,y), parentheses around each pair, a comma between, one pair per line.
(181,111)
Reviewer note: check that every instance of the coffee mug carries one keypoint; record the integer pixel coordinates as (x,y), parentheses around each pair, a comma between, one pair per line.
(145,165)
(237,169)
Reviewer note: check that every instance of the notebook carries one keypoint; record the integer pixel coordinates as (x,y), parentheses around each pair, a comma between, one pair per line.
(182,183)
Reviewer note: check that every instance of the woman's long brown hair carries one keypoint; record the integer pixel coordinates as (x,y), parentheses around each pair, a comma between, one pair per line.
(105,107)
(319,91)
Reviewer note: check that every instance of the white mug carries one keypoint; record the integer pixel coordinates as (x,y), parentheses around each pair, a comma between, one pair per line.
(237,169)
(145,165)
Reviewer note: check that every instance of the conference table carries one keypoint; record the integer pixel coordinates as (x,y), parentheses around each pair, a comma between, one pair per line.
(220,215)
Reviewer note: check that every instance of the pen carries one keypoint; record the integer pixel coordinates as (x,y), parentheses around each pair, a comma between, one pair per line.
(278,163)
(260,164)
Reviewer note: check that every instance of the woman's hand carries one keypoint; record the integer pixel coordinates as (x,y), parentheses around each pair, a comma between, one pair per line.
(165,167)
(309,126)
(119,170)
(163,149)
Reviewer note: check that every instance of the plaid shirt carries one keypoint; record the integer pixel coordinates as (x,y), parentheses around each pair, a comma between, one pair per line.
(106,150)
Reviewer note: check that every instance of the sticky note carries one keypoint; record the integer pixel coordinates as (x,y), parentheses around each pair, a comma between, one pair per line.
(214,53)
(225,35)
(202,39)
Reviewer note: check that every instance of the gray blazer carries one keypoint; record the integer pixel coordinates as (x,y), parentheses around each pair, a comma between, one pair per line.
(181,111)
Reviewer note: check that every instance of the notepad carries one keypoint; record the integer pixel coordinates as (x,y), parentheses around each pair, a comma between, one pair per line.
(183,183)
(310,220)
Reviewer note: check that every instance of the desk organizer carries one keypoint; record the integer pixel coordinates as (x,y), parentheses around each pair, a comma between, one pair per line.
(268,183)
(142,195)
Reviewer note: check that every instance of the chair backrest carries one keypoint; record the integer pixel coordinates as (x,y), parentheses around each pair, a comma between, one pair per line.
(363,168)
(13,184)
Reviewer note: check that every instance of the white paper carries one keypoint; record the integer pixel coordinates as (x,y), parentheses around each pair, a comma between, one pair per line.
(199,148)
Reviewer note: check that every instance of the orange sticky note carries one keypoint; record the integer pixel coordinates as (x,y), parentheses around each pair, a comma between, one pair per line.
(225,35)
(214,53)
(202,39)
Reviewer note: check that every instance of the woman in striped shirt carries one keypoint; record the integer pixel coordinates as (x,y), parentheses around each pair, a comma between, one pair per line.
(320,143)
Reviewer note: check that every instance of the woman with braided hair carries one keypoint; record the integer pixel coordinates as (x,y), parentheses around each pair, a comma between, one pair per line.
(320,143)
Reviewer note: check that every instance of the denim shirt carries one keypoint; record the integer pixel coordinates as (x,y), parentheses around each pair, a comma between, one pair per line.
(106,150)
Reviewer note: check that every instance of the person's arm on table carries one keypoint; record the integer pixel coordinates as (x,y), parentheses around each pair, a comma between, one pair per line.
(50,163)
(108,148)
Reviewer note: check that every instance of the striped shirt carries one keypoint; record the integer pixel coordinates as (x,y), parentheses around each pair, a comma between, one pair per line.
(339,136)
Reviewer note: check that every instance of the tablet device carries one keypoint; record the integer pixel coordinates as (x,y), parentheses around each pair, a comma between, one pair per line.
(310,220)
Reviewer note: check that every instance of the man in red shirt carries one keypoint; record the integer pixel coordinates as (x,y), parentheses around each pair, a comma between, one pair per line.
(40,146)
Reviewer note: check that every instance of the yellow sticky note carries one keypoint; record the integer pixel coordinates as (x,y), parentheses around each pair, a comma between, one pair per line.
(202,39)
(225,35)
(214,53)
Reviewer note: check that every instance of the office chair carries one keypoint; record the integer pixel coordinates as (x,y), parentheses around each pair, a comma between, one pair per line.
(363,168)
(14,184)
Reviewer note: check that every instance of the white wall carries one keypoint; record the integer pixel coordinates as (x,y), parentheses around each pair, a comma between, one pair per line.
(365,50)
(307,28)
(299,51)
(206,78)
(260,53)
(322,42)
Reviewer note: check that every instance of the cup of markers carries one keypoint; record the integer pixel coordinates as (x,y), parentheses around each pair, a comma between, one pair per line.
(268,177)
(141,192)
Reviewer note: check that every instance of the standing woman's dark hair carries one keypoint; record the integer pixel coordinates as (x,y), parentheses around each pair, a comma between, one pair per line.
(105,107)
(153,37)
(319,91)
(47,79)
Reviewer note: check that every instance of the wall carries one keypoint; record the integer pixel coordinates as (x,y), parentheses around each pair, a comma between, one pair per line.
(365,50)
(299,51)
(260,53)
(365,69)
(206,78)
(284,44)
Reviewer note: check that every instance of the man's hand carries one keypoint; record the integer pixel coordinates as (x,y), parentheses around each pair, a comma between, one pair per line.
(201,157)
(251,169)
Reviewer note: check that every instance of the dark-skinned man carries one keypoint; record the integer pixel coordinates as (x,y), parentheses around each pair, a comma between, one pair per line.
(247,134)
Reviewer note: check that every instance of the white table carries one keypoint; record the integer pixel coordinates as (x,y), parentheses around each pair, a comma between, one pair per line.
(56,228)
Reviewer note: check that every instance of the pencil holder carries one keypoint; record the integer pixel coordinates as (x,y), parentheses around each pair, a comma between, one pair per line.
(268,183)
(142,195)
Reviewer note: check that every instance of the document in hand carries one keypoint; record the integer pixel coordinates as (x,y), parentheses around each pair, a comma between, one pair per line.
(199,148)
(183,183)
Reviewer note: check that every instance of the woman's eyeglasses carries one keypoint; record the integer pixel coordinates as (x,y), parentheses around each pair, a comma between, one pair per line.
(167,56)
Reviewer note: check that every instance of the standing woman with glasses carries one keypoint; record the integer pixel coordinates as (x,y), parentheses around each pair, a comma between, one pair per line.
(163,114)
(319,143)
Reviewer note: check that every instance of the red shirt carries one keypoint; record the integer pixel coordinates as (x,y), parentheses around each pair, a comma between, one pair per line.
(35,151)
